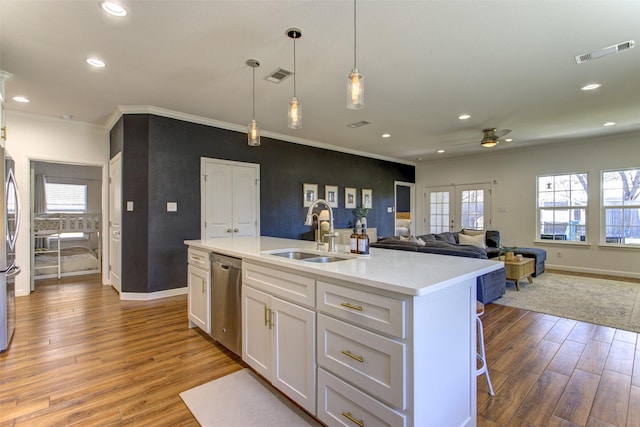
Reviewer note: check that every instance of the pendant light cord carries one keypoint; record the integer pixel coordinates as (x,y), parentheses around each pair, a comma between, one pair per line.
(294,66)
(253,112)
(355,32)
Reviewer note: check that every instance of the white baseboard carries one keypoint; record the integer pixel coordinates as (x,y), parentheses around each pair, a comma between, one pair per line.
(593,271)
(138,296)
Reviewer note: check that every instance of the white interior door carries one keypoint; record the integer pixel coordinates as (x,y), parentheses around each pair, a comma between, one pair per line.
(230,199)
(115,219)
(454,207)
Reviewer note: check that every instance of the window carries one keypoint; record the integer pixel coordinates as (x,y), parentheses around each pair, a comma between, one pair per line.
(562,207)
(472,209)
(66,197)
(439,212)
(621,207)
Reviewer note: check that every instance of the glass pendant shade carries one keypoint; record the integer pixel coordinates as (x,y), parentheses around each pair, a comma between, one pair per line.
(355,90)
(253,134)
(295,114)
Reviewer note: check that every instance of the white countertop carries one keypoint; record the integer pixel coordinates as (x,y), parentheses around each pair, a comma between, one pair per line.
(410,273)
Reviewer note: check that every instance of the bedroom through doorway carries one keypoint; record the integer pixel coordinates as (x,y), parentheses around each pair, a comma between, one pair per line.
(66,220)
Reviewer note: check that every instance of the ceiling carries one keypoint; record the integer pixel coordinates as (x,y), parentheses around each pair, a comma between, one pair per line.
(508,64)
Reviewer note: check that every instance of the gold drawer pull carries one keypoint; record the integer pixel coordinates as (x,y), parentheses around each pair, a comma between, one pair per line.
(348,416)
(266,316)
(351,306)
(353,356)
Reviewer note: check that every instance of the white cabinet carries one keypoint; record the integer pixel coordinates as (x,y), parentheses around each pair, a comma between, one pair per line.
(230,198)
(279,336)
(199,290)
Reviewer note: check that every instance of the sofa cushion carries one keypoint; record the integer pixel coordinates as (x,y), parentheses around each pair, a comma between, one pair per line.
(447,237)
(474,240)
(493,238)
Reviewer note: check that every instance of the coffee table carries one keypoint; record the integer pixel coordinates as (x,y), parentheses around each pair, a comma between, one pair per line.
(518,269)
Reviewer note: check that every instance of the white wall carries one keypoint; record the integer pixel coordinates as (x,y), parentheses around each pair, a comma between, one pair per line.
(514,195)
(31,137)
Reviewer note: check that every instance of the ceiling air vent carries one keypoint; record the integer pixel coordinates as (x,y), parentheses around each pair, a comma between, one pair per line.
(604,51)
(278,75)
(358,124)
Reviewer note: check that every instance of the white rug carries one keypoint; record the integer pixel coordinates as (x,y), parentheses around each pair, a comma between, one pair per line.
(243,399)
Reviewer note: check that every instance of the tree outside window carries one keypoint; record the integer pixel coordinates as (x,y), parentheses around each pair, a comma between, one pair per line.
(621,207)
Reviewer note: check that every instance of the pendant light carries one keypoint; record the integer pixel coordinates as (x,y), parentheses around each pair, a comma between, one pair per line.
(295,109)
(253,134)
(355,86)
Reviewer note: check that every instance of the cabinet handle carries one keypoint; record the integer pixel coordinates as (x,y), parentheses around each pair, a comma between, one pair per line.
(270,318)
(351,306)
(353,356)
(204,288)
(348,416)
(235,230)
(266,316)
(4,133)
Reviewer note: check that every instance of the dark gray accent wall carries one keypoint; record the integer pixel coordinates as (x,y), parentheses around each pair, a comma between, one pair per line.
(161,163)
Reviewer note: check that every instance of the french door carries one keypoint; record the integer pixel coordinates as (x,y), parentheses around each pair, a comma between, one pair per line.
(454,207)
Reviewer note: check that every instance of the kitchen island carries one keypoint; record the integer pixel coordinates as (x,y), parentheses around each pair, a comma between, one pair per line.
(386,339)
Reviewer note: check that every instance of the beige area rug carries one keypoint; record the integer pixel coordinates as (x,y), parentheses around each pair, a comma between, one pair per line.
(243,399)
(599,301)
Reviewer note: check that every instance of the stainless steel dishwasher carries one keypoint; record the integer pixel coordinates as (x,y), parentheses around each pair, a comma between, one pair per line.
(226,318)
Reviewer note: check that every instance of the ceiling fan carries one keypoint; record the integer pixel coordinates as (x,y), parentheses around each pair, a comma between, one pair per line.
(491,136)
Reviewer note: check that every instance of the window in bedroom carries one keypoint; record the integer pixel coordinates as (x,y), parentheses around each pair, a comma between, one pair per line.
(562,207)
(621,207)
(65,197)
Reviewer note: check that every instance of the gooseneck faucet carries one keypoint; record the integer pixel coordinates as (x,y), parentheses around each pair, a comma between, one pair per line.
(331,234)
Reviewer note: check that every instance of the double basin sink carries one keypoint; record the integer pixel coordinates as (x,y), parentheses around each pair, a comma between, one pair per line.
(307,256)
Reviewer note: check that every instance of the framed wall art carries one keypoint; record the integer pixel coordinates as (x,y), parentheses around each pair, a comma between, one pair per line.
(367,198)
(350,198)
(331,195)
(309,194)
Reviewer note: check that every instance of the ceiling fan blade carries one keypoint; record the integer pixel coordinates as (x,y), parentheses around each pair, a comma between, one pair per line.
(501,133)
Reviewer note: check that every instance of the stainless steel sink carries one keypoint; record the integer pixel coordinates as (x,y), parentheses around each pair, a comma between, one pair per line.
(307,256)
(295,254)
(324,259)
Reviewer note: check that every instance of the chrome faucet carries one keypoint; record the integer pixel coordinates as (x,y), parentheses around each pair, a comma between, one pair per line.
(331,234)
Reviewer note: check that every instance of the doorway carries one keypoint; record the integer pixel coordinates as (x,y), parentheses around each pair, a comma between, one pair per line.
(454,207)
(66,220)
(405,209)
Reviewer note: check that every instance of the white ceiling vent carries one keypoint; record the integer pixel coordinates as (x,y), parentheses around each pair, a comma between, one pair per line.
(358,124)
(278,75)
(604,51)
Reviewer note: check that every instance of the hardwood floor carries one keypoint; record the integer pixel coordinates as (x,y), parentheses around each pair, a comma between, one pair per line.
(80,356)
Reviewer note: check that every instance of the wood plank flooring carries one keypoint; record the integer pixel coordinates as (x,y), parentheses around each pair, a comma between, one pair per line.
(80,356)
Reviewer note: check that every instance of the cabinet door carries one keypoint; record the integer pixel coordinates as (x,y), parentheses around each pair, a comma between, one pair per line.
(256,330)
(199,298)
(294,353)
(245,201)
(217,200)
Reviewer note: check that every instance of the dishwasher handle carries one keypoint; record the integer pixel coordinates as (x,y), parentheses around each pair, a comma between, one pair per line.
(226,263)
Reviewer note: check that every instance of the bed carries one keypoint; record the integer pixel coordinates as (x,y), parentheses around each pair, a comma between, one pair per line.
(66,244)
(403,224)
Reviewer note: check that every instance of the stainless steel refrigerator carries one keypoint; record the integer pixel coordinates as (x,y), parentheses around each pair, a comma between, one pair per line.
(9,226)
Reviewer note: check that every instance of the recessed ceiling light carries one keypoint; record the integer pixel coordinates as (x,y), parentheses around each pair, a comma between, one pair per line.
(66,116)
(386,135)
(113,8)
(591,86)
(95,62)
(464,116)
(440,151)
(609,124)
(20,99)
(508,140)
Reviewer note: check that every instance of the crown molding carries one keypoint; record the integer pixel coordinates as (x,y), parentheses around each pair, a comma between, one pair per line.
(162,112)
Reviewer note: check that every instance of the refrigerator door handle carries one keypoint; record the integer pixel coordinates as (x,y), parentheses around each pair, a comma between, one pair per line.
(13,271)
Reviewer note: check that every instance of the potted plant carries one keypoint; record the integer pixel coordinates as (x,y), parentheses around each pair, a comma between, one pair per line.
(508,252)
(361,213)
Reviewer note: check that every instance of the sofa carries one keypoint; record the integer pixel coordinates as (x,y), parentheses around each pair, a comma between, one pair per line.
(490,286)
(476,244)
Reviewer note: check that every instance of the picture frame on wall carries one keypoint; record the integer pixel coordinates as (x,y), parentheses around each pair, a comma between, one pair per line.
(349,198)
(331,195)
(309,194)
(367,198)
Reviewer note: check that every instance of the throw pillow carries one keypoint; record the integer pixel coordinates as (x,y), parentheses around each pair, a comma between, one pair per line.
(446,237)
(471,232)
(477,240)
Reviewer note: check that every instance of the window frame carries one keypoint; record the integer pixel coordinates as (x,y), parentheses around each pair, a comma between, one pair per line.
(604,207)
(570,228)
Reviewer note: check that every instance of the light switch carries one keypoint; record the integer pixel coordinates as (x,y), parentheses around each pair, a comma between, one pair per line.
(129,205)
(389,209)
(172,206)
